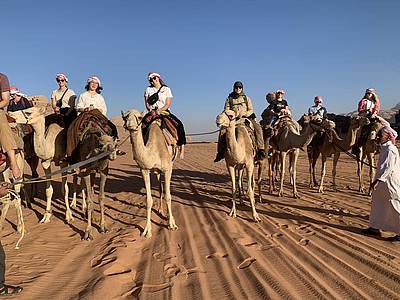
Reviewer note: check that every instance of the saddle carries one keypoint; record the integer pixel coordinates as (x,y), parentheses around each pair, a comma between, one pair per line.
(80,125)
(166,123)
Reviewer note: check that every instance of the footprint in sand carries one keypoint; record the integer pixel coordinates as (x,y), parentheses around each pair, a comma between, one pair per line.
(304,242)
(162,257)
(102,261)
(217,255)
(276,234)
(171,270)
(247,242)
(116,269)
(246,263)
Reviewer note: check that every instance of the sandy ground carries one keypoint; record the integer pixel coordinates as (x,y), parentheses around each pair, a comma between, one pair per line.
(303,249)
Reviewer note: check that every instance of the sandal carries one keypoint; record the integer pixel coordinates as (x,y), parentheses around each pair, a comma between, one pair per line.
(395,238)
(9,290)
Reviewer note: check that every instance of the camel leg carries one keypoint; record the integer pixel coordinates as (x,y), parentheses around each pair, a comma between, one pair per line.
(167,175)
(103,179)
(231,171)
(147,183)
(240,189)
(250,170)
(282,161)
(33,164)
(336,156)
(323,171)
(294,156)
(49,195)
(88,231)
(74,190)
(4,210)
(65,191)
(161,194)
(260,171)
(360,160)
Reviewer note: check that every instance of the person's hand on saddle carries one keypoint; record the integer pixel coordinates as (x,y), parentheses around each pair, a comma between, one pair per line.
(56,110)
(154,113)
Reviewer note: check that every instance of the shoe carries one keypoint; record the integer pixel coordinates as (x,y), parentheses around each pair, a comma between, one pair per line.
(395,238)
(370,231)
(219,157)
(9,290)
(120,152)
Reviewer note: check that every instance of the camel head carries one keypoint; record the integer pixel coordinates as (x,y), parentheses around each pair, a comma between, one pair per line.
(28,115)
(226,118)
(101,142)
(358,121)
(132,119)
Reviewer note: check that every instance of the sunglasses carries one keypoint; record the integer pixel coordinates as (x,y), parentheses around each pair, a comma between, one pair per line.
(238,87)
(153,78)
(60,80)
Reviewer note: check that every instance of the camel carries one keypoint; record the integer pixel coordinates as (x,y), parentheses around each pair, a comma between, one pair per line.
(238,156)
(152,155)
(94,142)
(367,148)
(49,145)
(333,145)
(288,141)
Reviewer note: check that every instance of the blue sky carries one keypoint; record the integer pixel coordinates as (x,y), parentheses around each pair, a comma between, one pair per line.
(335,49)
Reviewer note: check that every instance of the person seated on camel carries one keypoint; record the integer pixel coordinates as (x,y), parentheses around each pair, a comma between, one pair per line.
(269,97)
(92,100)
(277,108)
(369,106)
(238,101)
(63,101)
(157,99)
(18,100)
(318,114)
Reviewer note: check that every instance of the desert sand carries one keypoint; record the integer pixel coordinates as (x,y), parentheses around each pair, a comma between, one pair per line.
(303,249)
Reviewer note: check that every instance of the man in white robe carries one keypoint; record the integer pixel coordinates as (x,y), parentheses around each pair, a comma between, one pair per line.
(385,208)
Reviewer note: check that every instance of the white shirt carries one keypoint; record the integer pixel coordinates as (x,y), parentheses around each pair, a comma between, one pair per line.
(86,99)
(67,101)
(164,93)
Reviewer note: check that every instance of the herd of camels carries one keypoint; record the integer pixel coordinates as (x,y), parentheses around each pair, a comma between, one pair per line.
(153,154)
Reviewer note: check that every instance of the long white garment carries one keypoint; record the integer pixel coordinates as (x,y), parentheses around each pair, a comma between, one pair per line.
(385,208)
(97,100)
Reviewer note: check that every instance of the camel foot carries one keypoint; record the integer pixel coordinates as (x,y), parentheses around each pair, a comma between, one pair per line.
(103,229)
(233,213)
(172,225)
(88,235)
(256,218)
(68,217)
(280,194)
(334,188)
(321,190)
(147,231)
(296,196)
(46,218)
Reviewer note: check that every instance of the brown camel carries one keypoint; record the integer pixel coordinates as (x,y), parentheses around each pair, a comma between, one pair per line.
(152,154)
(239,155)
(49,145)
(288,141)
(332,144)
(94,142)
(366,148)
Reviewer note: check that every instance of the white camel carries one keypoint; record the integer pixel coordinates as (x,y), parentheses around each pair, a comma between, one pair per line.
(152,155)
(50,146)
(238,156)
